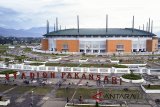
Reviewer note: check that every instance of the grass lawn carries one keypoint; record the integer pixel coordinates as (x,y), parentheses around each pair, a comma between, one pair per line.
(64,65)
(36,90)
(1,59)
(87,93)
(90,65)
(64,93)
(70,65)
(2,51)
(42,90)
(123,92)
(84,92)
(5,87)
(88,56)
(86,65)
(132,62)
(52,64)
(103,65)
(120,66)
(47,54)
(21,89)
(36,64)
(152,87)
(3,46)
(27,49)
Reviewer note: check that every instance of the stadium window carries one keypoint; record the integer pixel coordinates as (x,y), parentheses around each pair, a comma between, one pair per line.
(88,50)
(95,51)
(88,36)
(102,51)
(103,36)
(65,46)
(120,46)
(81,50)
(134,50)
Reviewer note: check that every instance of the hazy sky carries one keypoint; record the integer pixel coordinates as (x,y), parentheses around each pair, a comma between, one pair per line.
(34,13)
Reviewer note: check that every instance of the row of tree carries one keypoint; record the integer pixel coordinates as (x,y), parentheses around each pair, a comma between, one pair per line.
(18,40)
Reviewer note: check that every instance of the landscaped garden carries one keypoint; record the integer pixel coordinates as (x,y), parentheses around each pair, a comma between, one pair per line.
(3,49)
(21,58)
(8,72)
(47,54)
(36,64)
(87,93)
(152,87)
(68,92)
(1,59)
(132,76)
(52,64)
(86,65)
(131,61)
(27,50)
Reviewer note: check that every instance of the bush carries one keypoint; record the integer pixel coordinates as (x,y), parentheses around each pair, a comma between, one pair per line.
(52,64)
(36,64)
(132,76)
(27,50)
(20,58)
(120,66)
(152,87)
(8,72)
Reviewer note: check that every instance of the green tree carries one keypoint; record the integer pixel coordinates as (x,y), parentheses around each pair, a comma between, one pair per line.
(7,61)
(97,105)
(20,58)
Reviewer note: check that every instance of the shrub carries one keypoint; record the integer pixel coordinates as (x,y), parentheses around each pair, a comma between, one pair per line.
(8,72)
(120,66)
(132,76)
(36,64)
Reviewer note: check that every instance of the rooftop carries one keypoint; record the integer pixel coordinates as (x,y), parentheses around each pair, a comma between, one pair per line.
(100,31)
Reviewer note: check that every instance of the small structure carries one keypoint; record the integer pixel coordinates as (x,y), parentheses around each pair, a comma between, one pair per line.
(82,60)
(114,61)
(11,47)
(151,88)
(4,101)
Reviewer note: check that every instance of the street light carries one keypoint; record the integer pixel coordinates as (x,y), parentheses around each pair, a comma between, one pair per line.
(32,99)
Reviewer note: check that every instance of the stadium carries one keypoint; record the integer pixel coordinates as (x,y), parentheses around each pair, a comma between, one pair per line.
(100,40)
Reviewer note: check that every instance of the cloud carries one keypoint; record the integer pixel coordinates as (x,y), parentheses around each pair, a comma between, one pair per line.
(8,16)
(32,13)
(7,11)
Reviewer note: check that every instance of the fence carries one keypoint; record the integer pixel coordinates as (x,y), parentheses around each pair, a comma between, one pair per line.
(73,69)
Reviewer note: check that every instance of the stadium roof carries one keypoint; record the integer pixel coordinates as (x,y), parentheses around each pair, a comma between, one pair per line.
(100,31)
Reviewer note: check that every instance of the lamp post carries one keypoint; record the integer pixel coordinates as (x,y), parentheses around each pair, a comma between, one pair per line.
(32,99)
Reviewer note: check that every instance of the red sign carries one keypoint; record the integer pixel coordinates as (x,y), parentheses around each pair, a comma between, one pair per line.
(98,77)
(97,97)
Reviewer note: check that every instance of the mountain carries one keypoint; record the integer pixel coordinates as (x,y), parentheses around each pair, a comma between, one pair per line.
(158,34)
(32,32)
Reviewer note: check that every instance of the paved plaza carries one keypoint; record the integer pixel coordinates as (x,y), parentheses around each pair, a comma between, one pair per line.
(45,95)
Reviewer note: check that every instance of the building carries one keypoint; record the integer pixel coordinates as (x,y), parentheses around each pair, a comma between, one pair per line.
(101,40)
(159,44)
